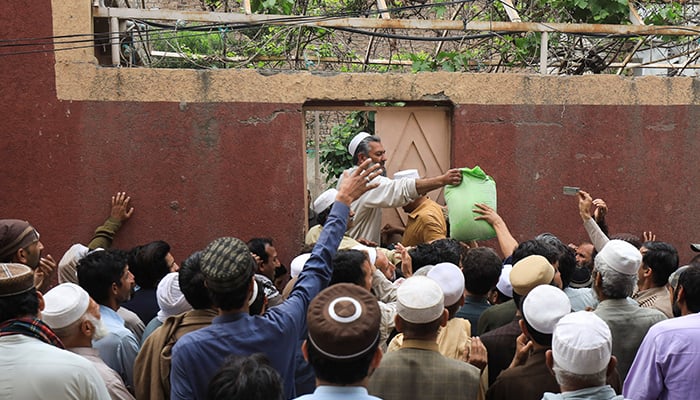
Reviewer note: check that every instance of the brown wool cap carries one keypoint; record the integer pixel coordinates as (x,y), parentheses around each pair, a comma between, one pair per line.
(15,279)
(14,235)
(343,321)
(227,264)
(530,272)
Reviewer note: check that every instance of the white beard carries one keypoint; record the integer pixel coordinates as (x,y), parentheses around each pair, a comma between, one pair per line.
(99,327)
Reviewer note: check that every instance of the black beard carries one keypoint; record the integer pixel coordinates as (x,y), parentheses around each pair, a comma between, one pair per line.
(676,310)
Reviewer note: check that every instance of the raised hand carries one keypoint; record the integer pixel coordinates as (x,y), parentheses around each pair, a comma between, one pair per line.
(120,207)
(358,182)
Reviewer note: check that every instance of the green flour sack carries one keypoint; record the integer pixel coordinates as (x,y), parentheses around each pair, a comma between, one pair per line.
(476,187)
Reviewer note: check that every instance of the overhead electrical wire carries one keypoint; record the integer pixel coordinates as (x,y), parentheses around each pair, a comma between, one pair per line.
(291,21)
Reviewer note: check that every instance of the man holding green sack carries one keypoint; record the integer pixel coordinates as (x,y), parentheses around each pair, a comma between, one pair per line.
(476,187)
(391,193)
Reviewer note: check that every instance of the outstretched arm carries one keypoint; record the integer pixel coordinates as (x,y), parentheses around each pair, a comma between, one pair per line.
(451,177)
(506,240)
(598,238)
(120,212)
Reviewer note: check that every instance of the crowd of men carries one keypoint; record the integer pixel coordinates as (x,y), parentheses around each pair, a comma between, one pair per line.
(614,317)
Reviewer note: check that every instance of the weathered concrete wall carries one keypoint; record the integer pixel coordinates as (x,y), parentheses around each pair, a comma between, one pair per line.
(209,153)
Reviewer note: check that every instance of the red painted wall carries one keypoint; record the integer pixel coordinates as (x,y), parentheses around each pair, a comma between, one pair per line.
(642,160)
(199,171)
(195,171)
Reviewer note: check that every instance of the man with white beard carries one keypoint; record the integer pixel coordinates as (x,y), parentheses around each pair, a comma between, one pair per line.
(75,318)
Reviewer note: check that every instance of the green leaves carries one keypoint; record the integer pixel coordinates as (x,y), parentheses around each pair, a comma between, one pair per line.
(334,155)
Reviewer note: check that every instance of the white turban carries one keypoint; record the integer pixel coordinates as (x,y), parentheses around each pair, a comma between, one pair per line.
(170,299)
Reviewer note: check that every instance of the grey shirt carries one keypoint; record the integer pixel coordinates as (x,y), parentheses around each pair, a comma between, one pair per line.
(628,324)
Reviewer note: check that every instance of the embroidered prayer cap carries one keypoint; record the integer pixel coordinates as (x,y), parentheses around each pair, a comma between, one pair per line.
(352,147)
(419,300)
(530,272)
(15,279)
(343,321)
(64,304)
(14,235)
(450,279)
(371,252)
(620,256)
(504,281)
(325,200)
(582,343)
(227,264)
(170,298)
(544,306)
(407,173)
(297,264)
(69,262)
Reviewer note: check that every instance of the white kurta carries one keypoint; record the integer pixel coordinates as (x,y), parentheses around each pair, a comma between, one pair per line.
(31,369)
(391,193)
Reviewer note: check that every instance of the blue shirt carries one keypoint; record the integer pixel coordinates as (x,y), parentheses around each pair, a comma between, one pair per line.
(118,349)
(197,356)
(339,392)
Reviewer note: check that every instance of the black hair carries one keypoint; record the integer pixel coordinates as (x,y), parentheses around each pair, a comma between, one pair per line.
(363,147)
(535,247)
(634,240)
(481,267)
(449,250)
(662,258)
(323,215)
(148,264)
(537,336)
(257,247)
(191,281)
(422,255)
(567,263)
(347,267)
(257,306)
(340,372)
(690,282)
(230,298)
(246,378)
(19,305)
(98,270)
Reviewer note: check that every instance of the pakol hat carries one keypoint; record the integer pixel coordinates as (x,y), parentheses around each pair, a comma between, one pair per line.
(343,321)
(582,343)
(15,279)
(64,305)
(450,279)
(352,147)
(530,272)
(419,300)
(325,200)
(544,306)
(14,235)
(227,264)
(620,256)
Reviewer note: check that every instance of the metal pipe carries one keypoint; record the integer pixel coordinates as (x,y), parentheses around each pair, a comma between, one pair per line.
(544,50)
(114,40)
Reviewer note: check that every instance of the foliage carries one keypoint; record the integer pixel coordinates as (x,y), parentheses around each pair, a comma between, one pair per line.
(334,155)
(323,49)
